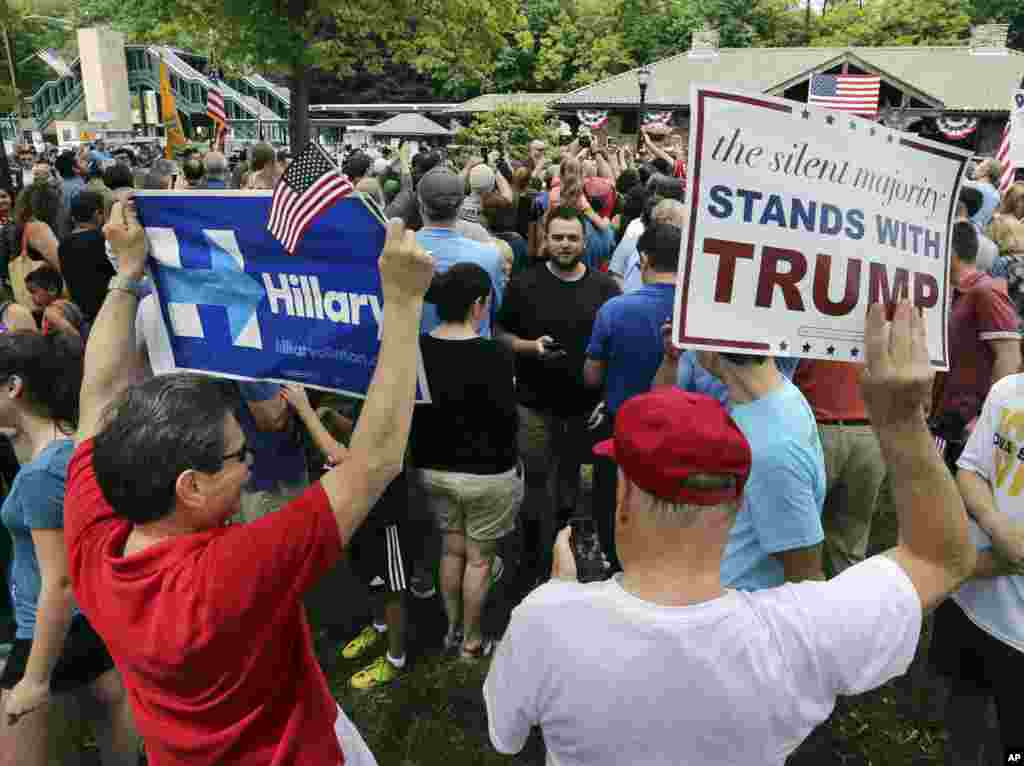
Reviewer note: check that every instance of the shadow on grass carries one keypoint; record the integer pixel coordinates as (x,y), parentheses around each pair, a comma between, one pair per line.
(434,716)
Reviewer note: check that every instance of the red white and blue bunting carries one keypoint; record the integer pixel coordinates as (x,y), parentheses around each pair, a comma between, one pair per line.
(956,128)
(595,119)
(657,118)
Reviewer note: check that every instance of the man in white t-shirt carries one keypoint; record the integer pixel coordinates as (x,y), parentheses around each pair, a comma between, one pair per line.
(978,640)
(661,665)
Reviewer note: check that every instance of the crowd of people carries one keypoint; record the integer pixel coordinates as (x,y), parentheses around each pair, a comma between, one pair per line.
(166,526)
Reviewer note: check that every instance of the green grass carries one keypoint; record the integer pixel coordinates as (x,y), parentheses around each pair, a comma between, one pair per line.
(434,716)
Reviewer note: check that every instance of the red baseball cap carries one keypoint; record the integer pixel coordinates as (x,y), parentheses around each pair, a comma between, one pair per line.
(666,435)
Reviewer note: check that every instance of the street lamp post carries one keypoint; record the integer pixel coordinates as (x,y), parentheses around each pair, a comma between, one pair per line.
(643,80)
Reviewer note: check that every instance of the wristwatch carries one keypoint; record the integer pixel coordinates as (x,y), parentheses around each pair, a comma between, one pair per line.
(121,282)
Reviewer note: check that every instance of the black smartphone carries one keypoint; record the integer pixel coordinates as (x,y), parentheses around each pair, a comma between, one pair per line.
(553,345)
(586,549)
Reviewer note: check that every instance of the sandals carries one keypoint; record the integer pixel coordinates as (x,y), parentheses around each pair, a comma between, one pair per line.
(480,652)
(452,642)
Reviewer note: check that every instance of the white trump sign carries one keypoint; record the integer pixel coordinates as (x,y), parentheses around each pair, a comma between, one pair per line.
(799,219)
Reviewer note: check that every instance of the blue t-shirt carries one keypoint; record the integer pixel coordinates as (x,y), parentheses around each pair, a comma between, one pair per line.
(278,455)
(626,262)
(691,375)
(598,245)
(627,338)
(36,501)
(448,248)
(783,497)
(989,202)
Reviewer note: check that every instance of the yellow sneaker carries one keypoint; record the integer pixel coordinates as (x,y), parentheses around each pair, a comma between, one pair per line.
(361,644)
(377,673)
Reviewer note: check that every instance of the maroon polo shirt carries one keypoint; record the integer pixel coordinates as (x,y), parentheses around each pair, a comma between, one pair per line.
(981,312)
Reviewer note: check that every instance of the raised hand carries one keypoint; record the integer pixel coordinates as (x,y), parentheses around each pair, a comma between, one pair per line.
(897,380)
(127,238)
(295,395)
(405,268)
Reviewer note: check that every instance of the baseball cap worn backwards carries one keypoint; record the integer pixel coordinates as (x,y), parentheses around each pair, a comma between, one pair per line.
(667,435)
(441,187)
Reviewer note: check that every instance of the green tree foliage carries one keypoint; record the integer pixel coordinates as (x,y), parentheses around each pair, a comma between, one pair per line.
(1004,11)
(892,22)
(457,37)
(511,126)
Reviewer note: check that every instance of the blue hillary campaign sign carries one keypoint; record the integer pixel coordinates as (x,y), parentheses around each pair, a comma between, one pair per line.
(237,305)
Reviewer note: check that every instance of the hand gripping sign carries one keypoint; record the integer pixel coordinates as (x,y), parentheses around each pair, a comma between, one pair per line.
(799,218)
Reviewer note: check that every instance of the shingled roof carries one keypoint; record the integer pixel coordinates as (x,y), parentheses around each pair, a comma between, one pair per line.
(409,124)
(952,78)
(488,102)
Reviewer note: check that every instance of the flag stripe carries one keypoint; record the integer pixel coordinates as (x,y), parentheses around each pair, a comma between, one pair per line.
(1002,154)
(215,106)
(845,93)
(306,217)
(311,184)
(308,213)
(297,213)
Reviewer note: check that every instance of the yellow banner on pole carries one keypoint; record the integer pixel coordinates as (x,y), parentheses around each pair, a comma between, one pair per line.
(169,115)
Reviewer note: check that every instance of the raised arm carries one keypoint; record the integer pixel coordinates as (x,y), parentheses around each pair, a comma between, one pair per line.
(111,356)
(934,549)
(378,444)
(295,395)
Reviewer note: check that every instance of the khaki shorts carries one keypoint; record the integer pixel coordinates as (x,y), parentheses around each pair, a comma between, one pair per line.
(483,506)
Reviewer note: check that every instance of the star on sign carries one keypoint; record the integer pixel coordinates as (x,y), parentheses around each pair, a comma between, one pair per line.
(890,139)
(805,114)
(853,125)
(831,350)
(854,351)
(783,346)
(830,119)
(807,347)
(874,131)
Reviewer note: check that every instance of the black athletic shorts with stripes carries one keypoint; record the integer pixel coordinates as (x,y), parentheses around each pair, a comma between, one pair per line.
(379,552)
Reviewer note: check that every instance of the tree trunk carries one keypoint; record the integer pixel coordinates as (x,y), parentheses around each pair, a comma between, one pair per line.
(298,116)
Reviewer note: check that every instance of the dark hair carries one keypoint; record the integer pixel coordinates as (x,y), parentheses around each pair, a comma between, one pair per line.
(627,179)
(972,199)
(744,360)
(661,165)
(644,171)
(65,164)
(650,202)
(423,163)
(119,177)
(660,244)
(39,201)
(193,170)
(357,165)
(563,213)
(85,205)
(666,186)
(152,433)
(46,277)
(261,155)
(455,291)
(965,241)
(50,368)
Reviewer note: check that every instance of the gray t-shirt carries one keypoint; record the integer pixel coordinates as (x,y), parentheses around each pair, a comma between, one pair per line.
(36,501)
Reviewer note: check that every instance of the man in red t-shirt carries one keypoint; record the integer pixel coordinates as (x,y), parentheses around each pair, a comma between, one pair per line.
(984,330)
(205,621)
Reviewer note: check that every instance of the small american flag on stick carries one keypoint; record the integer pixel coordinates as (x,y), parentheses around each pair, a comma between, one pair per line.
(311,184)
(1003,155)
(857,93)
